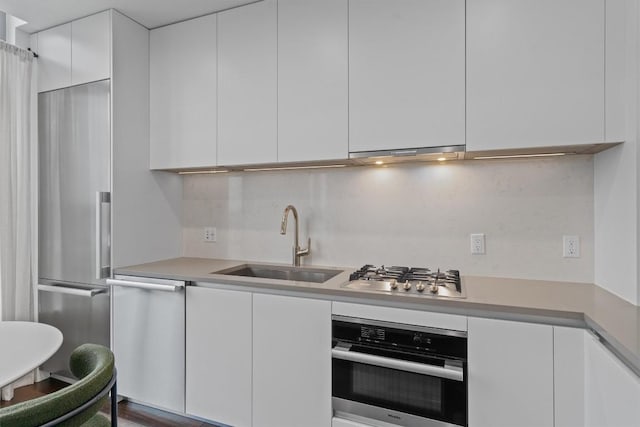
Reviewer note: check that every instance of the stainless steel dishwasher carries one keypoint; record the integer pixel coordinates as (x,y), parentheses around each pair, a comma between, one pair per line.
(148,320)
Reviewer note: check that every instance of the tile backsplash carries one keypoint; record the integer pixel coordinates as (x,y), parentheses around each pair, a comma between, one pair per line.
(412,214)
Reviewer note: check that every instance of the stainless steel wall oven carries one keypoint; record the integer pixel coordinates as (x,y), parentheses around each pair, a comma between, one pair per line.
(399,374)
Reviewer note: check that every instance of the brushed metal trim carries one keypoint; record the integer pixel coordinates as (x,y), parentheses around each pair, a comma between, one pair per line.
(377,416)
(147,286)
(61,289)
(403,152)
(451,371)
(102,271)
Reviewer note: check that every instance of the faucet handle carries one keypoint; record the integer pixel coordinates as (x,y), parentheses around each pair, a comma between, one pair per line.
(304,251)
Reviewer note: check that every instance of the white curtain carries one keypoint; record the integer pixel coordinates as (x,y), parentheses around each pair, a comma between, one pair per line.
(18,168)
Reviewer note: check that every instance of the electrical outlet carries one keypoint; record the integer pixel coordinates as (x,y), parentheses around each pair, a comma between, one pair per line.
(477,244)
(571,246)
(210,234)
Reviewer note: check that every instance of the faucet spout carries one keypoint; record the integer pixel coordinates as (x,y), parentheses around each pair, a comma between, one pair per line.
(297,251)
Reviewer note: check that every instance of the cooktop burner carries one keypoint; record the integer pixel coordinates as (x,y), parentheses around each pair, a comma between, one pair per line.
(405,280)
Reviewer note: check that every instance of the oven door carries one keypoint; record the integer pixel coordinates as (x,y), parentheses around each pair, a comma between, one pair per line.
(398,388)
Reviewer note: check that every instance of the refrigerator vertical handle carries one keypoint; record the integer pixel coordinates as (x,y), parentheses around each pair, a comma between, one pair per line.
(102,271)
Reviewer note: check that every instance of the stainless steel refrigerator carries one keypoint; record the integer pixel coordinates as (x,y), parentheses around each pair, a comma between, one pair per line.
(74,216)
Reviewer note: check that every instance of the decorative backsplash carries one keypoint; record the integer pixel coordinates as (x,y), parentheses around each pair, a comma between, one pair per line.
(413,214)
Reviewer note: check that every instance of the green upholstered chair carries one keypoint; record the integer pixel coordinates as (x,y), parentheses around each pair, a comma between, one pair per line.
(77,404)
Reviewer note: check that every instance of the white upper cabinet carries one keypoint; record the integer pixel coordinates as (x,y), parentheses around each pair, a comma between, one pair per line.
(535,73)
(91,48)
(406,74)
(183,72)
(74,53)
(54,61)
(247,84)
(312,80)
(510,374)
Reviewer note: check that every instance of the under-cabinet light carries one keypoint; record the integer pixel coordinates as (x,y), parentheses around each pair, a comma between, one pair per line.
(287,168)
(519,156)
(379,162)
(201,172)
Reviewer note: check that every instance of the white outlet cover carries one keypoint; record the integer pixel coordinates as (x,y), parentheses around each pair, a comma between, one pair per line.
(571,246)
(477,244)
(210,235)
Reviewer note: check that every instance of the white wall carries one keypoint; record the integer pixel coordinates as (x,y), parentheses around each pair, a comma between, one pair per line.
(417,215)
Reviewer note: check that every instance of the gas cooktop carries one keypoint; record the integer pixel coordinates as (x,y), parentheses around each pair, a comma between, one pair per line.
(407,281)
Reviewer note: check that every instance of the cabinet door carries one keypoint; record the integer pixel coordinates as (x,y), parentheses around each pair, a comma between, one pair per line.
(568,376)
(312,80)
(218,354)
(183,73)
(406,74)
(54,62)
(291,362)
(612,391)
(91,48)
(247,84)
(535,73)
(510,374)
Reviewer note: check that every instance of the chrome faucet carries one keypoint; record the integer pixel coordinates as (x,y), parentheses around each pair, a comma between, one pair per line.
(297,251)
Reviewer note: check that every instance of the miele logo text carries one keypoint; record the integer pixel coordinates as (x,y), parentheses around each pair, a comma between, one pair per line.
(395,417)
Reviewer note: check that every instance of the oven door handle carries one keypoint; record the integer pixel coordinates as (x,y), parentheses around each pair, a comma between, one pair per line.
(449,371)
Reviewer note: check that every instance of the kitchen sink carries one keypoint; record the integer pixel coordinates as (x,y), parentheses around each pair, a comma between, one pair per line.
(298,274)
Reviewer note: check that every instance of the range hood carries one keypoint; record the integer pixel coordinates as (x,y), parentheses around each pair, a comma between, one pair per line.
(421,154)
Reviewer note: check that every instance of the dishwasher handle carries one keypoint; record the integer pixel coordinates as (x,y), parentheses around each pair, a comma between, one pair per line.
(449,371)
(174,287)
(89,293)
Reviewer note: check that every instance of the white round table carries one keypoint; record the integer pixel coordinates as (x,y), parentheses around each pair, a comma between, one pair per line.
(24,346)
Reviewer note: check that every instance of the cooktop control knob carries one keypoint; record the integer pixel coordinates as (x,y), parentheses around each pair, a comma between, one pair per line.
(420,287)
(406,286)
(394,284)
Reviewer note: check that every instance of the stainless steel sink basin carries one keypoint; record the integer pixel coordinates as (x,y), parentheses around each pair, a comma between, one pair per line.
(298,274)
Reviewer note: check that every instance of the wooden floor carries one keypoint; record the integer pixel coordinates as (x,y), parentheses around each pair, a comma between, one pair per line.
(129,414)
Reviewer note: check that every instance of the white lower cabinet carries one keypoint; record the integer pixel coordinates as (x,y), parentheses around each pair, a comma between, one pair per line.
(254,359)
(291,362)
(592,387)
(218,355)
(569,375)
(612,391)
(510,374)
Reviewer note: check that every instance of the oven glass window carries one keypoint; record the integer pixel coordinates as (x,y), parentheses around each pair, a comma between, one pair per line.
(411,393)
(395,389)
